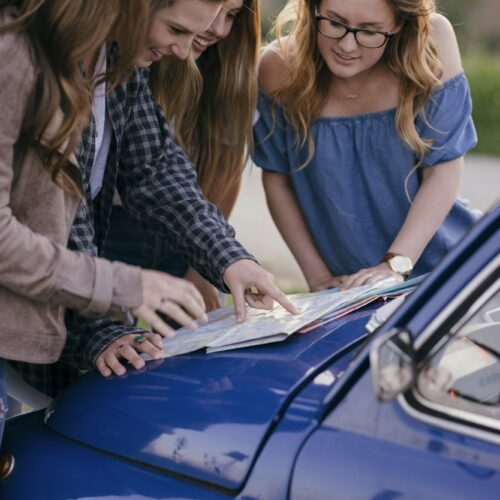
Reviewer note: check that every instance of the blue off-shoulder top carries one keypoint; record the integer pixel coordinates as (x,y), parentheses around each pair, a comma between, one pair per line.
(352,193)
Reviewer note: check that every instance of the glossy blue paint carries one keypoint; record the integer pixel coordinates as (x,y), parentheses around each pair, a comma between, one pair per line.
(203,416)
(292,420)
(271,474)
(51,467)
(397,455)
(369,449)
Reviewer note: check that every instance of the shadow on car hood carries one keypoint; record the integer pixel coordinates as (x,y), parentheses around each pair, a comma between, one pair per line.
(202,416)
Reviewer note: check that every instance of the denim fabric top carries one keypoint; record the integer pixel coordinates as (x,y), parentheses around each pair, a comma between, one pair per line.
(352,193)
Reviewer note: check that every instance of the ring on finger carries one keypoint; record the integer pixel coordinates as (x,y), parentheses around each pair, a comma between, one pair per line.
(139,339)
(163,301)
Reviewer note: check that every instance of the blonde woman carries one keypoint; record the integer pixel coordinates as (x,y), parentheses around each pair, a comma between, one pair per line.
(364,121)
(44,99)
(209,99)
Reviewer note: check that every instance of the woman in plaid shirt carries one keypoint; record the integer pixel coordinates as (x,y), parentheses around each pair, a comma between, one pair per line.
(209,99)
(157,185)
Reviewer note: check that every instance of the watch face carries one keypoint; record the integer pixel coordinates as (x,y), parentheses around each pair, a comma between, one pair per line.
(401,264)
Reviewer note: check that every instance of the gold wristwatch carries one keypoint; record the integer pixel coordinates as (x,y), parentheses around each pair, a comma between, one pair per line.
(399,263)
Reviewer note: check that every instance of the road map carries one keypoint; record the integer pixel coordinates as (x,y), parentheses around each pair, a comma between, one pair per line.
(222,332)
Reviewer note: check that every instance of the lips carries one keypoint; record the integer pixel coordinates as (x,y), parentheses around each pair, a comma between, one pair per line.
(344,59)
(201,43)
(156,54)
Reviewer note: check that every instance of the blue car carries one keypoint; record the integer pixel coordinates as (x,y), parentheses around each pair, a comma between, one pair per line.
(410,410)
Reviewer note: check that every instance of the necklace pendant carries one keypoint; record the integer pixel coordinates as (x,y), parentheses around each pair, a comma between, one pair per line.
(352,96)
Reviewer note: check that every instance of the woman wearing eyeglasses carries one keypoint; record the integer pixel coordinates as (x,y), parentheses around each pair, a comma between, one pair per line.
(364,121)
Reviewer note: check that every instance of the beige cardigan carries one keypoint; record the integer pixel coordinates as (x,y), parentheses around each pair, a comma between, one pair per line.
(39,276)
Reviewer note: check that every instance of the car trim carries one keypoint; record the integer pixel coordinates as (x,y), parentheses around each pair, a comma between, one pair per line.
(490,424)
(456,427)
(457,413)
(455,303)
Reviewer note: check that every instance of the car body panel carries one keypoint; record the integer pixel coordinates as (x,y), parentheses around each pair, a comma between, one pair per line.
(51,467)
(271,474)
(400,455)
(203,416)
(369,449)
(297,419)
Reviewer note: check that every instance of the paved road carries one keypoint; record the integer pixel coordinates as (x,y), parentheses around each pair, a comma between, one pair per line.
(256,230)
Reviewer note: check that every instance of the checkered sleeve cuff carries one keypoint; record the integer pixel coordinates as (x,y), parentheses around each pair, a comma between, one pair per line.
(87,338)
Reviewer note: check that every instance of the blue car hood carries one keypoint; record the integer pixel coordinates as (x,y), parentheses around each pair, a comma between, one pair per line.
(202,416)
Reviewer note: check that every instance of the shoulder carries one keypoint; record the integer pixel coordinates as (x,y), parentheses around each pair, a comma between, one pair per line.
(447,47)
(132,94)
(273,68)
(15,51)
(17,76)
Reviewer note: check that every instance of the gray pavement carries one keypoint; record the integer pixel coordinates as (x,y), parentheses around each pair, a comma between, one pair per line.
(256,230)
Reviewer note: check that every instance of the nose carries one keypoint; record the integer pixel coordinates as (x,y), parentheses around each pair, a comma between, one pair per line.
(216,29)
(181,49)
(348,43)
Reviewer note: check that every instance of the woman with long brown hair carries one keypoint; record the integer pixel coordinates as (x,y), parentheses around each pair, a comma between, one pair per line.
(365,115)
(45,105)
(209,100)
(128,149)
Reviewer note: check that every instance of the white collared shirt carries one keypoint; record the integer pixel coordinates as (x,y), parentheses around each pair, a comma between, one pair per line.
(103,127)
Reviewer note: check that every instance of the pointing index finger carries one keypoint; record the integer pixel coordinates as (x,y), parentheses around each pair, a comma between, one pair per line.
(282,299)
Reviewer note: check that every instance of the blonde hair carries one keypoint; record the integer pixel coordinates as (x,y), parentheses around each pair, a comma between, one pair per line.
(212,102)
(61,34)
(160,4)
(410,54)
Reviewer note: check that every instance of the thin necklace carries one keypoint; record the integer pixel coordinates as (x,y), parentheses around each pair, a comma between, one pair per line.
(355,95)
(352,95)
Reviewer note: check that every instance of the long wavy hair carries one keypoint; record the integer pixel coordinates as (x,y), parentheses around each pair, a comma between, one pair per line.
(160,4)
(61,34)
(211,103)
(411,55)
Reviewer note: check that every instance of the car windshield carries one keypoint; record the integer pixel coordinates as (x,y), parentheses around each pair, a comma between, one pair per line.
(465,373)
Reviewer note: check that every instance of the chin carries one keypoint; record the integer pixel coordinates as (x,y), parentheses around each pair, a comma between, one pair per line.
(342,71)
(143,63)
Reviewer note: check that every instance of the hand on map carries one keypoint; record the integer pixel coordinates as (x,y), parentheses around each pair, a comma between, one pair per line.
(249,283)
(127,349)
(325,282)
(371,275)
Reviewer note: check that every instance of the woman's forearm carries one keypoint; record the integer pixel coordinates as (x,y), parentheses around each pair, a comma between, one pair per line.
(290,222)
(432,203)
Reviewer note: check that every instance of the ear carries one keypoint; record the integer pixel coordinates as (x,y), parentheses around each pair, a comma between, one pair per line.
(397,28)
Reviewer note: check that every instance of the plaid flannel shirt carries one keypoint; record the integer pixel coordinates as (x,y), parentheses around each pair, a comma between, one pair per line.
(157,184)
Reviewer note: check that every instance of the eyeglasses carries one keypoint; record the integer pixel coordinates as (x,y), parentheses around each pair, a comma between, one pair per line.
(366,38)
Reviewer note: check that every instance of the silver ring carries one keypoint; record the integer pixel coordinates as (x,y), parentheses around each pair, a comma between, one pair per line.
(163,301)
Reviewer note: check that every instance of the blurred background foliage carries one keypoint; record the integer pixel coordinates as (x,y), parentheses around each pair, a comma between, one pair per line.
(477,25)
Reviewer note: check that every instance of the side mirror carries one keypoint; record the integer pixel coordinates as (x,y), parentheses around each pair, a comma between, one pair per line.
(392,360)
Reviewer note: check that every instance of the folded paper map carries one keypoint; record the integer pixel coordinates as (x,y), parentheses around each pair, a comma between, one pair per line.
(222,332)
